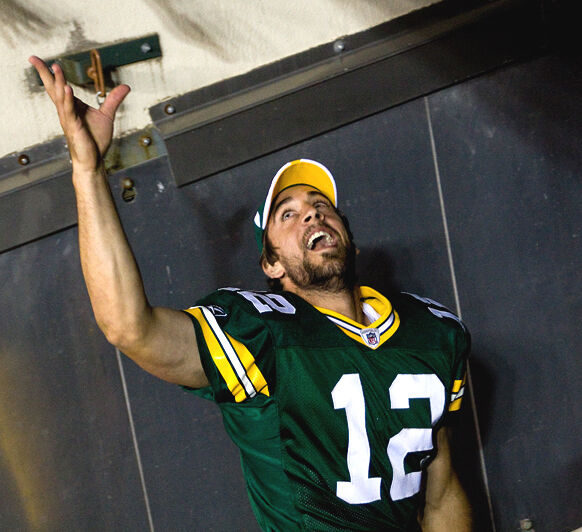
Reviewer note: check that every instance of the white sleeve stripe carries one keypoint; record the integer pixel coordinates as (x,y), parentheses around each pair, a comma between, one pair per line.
(229,352)
(458,395)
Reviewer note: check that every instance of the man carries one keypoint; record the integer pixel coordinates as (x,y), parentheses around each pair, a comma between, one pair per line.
(336,396)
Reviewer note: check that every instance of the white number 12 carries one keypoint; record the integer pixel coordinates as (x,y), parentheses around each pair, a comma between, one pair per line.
(349,395)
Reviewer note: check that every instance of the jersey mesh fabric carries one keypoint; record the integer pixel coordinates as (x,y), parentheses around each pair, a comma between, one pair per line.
(294,438)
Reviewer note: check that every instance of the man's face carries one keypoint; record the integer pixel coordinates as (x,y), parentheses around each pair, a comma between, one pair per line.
(313,246)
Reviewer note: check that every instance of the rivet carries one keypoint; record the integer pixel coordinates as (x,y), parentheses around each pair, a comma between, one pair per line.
(23,159)
(129,192)
(526,524)
(145,141)
(146,48)
(339,46)
(170,109)
(127,183)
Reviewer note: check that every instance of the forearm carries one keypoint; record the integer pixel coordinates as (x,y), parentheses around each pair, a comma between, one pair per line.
(111,273)
(446,505)
(450,511)
(160,340)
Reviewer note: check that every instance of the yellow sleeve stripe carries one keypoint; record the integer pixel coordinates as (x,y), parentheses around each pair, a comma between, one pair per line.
(455,405)
(458,384)
(457,394)
(232,359)
(251,369)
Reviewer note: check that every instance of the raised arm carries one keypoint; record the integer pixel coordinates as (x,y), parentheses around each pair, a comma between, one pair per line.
(160,340)
(447,507)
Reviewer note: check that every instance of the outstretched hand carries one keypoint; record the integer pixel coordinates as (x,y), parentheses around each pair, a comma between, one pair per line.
(88,130)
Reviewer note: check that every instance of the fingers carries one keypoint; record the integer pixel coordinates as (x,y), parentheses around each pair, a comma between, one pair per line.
(43,71)
(68,103)
(62,94)
(54,82)
(113,100)
(41,67)
(59,84)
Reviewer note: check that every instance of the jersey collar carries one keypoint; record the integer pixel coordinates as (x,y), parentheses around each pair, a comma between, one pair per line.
(377,308)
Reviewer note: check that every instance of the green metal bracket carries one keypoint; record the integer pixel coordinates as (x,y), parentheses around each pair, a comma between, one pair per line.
(75,66)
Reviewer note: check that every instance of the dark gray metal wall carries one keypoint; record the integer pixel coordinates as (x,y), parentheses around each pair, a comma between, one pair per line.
(91,442)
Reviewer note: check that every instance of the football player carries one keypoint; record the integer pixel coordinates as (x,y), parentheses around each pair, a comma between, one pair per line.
(337,397)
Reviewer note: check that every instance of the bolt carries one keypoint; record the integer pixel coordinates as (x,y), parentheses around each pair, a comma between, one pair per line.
(170,109)
(127,183)
(339,46)
(145,141)
(146,48)
(23,159)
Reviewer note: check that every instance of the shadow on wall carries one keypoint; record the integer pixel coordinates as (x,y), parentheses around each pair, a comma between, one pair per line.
(193,25)
(376,268)
(465,447)
(19,20)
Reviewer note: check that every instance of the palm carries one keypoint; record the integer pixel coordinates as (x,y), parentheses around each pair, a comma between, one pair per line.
(90,133)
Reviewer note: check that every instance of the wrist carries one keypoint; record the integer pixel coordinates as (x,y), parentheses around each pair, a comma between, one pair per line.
(82,175)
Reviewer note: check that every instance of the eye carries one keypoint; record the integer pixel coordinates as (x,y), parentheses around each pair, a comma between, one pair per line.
(286,215)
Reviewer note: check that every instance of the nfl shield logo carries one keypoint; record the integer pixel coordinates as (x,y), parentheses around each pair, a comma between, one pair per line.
(371,337)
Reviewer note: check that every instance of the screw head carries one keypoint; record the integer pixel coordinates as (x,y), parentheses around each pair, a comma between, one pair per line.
(145,141)
(170,109)
(339,46)
(127,183)
(23,159)
(146,48)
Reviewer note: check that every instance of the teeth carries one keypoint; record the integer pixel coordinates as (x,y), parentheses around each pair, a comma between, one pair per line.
(315,236)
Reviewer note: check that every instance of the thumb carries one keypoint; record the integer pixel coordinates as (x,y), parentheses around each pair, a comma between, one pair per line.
(113,100)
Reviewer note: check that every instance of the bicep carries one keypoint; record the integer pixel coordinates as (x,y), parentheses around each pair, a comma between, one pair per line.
(169,349)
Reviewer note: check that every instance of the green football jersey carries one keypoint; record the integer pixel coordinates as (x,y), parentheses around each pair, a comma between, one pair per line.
(334,420)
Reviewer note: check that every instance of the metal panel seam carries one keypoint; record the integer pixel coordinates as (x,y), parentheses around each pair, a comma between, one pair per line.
(458,309)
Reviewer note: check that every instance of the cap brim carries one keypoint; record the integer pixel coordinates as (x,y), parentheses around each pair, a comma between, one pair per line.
(299,172)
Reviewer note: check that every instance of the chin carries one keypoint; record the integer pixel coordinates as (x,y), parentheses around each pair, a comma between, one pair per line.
(331,270)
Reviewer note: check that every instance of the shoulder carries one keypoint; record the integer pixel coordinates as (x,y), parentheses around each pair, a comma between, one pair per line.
(254,302)
(251,308)
(288,318)
(422,317)
(427,308)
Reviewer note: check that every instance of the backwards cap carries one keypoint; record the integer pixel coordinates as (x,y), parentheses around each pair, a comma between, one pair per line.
(299,172)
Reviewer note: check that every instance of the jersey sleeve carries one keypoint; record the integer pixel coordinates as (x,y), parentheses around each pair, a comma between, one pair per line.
(234,343)
(459,345)
(459,368)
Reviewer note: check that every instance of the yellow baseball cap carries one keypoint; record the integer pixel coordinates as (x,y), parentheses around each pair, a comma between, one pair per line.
(298,172)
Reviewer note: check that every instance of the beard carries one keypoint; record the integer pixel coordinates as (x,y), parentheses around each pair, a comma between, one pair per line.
(335,273)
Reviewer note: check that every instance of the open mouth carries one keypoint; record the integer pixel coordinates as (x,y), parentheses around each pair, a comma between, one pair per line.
(319,239)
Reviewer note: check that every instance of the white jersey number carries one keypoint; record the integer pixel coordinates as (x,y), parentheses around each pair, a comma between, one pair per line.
(349,395)
(264,302)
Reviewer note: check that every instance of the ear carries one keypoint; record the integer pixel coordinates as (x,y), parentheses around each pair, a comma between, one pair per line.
(273,271)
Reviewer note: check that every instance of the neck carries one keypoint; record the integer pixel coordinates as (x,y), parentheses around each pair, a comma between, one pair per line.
(345,302)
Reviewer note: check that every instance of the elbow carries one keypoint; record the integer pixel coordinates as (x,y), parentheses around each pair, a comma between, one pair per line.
(122,334)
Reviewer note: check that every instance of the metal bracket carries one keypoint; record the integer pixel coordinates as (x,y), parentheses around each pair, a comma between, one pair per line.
(77,67)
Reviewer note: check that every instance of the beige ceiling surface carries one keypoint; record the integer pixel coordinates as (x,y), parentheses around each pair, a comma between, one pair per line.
(202,42)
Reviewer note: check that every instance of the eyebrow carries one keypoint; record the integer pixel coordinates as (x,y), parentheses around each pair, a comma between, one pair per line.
(311,193)
(281,203)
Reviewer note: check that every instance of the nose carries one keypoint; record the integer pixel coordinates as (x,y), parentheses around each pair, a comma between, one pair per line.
(311,213)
